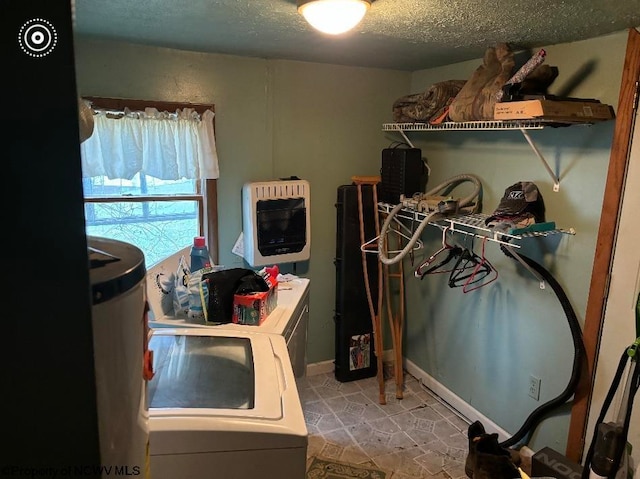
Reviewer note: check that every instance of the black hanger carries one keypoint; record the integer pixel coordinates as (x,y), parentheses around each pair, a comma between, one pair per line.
(427,266)
(471,269)
(464,267)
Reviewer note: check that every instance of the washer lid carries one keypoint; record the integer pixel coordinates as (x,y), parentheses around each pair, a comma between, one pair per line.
(205,372)
(222,390)
(115,267)
(202,372)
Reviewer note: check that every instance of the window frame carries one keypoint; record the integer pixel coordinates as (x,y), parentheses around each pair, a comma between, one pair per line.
(206,195)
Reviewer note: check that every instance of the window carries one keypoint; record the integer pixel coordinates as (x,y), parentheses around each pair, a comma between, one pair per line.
(160,216)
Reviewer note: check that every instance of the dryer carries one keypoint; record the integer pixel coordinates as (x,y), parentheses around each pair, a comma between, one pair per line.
(224,404)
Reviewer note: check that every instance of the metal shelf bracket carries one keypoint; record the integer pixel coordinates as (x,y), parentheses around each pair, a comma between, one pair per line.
(556,180)
(522,125)
(526,266)
(406,138)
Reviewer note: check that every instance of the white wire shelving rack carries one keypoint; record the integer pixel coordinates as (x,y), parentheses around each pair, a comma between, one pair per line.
(474,224)
(488,125)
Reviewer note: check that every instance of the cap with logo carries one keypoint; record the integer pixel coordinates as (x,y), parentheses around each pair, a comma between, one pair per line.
(521,203)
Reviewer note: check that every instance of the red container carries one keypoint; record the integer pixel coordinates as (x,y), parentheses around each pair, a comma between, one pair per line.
(254,308)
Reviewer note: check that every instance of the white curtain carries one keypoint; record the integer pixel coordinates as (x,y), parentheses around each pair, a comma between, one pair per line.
(168,146)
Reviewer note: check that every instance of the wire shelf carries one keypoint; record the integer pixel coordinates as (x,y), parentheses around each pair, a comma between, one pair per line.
(489,125)
(473,125)
(472,224)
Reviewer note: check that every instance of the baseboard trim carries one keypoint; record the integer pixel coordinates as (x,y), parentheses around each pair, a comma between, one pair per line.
(453,401)
(448,397)
(322,367)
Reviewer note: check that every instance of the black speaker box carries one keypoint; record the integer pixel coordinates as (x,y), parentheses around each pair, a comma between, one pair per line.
(354,343)
(403,173)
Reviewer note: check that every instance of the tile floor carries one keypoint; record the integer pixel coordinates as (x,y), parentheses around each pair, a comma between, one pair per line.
(418,436)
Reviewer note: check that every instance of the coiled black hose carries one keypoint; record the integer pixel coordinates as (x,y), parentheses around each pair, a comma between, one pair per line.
(579,353)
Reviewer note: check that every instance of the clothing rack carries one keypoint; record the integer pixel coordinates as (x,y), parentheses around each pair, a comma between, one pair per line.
(473,224)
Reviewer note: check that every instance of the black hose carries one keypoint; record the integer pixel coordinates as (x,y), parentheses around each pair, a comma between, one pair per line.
(579,353)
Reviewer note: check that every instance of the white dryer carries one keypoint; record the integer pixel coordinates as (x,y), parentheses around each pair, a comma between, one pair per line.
(224,404)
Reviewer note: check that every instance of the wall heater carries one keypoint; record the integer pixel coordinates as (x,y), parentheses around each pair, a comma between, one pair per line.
(276,222)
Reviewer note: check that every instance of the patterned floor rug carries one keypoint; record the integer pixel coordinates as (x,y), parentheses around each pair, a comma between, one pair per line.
(322,468)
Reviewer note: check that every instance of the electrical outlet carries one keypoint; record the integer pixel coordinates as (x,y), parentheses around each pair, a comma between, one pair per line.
(534,387)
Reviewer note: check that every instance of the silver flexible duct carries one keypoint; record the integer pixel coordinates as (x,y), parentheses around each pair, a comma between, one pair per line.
(455,181)
(451,183)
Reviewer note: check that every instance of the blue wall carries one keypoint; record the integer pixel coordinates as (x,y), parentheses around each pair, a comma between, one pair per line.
(484,345)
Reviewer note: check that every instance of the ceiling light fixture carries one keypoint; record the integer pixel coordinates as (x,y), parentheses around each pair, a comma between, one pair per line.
(333,16)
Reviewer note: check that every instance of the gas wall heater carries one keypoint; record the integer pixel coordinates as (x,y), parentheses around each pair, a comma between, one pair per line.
(276,222)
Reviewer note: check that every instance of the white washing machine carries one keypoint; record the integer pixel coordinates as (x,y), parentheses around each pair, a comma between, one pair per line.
(224,404)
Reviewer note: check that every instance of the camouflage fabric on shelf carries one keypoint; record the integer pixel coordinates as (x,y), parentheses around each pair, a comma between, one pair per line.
(476,99)
(422,107)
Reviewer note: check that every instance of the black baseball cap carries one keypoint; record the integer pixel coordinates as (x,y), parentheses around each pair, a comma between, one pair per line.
(519,199)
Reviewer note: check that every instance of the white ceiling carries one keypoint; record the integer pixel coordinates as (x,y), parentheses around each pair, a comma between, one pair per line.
(395,34)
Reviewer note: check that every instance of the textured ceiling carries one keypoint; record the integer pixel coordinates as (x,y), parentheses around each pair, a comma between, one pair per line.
(395,34)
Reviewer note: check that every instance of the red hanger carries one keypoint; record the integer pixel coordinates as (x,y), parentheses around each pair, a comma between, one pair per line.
(474,282)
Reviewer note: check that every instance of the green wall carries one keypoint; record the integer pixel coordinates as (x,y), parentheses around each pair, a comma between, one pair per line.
(274,119)
(323,123)
(484,345)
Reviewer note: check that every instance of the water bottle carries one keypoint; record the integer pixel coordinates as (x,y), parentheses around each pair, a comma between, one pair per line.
(199,254)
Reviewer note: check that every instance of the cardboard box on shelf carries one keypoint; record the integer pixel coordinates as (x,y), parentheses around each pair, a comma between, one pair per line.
(254,308)
(554,110)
